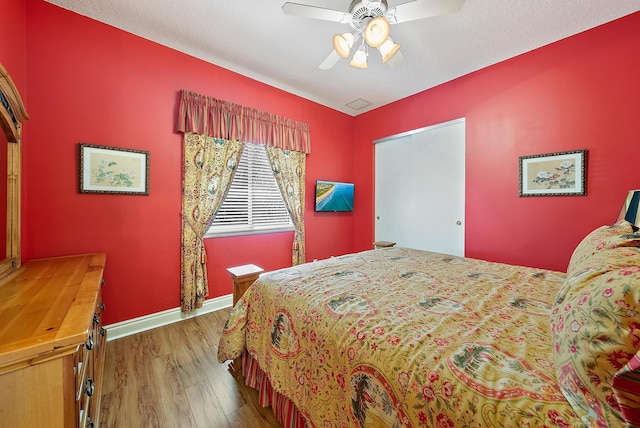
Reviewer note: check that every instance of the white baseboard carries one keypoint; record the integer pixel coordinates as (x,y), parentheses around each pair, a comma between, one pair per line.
(148,322)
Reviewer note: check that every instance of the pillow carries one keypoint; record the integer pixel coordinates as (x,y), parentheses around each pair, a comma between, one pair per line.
(595,248)
(595,328)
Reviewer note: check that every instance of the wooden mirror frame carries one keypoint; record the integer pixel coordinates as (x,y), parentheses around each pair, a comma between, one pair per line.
(12,116)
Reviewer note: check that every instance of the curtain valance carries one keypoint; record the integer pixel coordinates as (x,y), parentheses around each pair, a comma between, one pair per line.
(223,119)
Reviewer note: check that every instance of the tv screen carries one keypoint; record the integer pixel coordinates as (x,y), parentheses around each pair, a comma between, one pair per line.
(334,196)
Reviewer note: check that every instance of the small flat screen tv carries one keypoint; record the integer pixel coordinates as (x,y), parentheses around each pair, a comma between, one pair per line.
(334,196)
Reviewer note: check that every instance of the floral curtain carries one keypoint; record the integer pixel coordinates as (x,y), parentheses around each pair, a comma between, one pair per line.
(212,131)
(223,119)
(289,170)
(209,166)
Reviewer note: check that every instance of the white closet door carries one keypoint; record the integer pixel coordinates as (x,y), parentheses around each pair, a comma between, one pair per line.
(419,188)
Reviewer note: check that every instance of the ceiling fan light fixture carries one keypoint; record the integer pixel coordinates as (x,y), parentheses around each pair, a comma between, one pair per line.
(388,49)
(359,58)
(377,31)
(342,44)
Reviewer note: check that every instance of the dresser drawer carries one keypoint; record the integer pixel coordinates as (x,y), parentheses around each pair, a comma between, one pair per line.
(99,335)
(85,384)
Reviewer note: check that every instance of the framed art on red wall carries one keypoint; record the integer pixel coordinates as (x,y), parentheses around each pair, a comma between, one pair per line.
(113,170)
(554,174)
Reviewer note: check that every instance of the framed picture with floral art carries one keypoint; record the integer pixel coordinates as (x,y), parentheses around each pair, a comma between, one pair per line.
(113,170)
(554,174)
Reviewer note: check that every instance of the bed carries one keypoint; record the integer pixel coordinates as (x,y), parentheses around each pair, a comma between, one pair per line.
(406,338)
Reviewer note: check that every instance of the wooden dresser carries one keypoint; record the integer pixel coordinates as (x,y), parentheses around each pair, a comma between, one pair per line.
(52,343)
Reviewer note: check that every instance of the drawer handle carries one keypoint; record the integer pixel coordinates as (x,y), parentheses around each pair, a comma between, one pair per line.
(103,307)
(89,387)
(89,343)
(103,332)
(96,318)
(90,423)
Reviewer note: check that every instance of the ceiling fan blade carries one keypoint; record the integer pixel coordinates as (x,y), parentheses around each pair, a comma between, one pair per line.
(330,61)
(397,60)
(421,9)
(314,12)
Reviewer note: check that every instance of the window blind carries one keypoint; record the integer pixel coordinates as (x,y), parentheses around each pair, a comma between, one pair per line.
(254,203)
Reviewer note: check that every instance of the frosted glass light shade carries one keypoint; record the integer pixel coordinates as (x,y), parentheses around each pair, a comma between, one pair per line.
(377,31)
(359,59)
(342,44)
(388,50)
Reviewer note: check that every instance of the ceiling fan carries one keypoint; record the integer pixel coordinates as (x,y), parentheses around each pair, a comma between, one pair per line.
(371,21)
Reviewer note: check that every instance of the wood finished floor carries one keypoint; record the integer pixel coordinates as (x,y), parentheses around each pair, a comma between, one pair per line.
(169,377)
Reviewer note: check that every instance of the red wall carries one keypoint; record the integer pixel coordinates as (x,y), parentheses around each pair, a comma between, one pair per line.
(579,93)
(12,41)
(89,82)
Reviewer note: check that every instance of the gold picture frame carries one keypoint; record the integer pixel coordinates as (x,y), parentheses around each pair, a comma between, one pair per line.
(113,170)
(554,174)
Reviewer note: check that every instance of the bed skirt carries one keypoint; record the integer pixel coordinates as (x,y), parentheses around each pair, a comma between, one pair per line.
(283,409)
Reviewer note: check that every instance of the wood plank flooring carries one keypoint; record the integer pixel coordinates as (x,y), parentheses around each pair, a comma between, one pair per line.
(170,377)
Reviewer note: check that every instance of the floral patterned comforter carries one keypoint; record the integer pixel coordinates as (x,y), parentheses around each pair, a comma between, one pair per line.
(405,338)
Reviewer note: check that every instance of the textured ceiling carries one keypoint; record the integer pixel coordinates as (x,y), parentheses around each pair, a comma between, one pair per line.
(256,39)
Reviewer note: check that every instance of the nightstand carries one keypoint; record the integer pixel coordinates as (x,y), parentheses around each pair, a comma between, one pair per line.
(243,276)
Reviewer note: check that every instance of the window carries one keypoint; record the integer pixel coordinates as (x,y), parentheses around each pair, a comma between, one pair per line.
(254,203)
